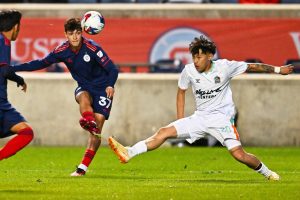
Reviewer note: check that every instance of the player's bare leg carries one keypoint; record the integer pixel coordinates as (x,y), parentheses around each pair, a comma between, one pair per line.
(253,162)
(151,143)
(84,100)
(92,123)
(160,137)
(93,145)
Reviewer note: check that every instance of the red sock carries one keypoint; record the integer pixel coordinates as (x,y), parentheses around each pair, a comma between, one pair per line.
(88,157)
(88,115)
(17,143)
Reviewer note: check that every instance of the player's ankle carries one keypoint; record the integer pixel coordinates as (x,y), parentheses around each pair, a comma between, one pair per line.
(83,167)
(137,149)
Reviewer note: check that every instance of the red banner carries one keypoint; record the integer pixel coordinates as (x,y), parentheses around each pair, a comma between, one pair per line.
(146,40)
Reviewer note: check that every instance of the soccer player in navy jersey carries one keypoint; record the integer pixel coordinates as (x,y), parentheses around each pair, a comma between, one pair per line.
(11,121)
(95,74)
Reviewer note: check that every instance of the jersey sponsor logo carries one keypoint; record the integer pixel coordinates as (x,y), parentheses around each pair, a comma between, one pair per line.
(173,44)
(86,58)
(207,94)
(100,54)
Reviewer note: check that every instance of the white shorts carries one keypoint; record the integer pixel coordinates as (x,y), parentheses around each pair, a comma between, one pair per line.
(219,126)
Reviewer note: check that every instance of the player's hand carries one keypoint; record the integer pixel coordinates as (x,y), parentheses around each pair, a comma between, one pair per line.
(24,87)
(110,91)
(286,69)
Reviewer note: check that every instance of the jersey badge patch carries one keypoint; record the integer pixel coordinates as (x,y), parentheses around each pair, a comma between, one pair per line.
(100,54)
(86,58)
(217,79)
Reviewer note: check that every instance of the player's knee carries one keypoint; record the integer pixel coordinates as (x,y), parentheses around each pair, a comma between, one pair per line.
(27,133)
(238,153)
(164,133)
(239,156)
(84,98)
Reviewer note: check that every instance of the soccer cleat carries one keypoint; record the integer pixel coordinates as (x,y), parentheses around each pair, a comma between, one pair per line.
(89,125)
(274,177)
(119,150)
(78,172)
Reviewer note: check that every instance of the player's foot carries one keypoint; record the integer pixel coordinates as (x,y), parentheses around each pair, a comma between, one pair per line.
(78,172)
(89,125)
(274,177)
(119,150)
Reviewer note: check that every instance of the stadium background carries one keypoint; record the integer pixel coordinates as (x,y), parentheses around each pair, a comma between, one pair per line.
(268,104)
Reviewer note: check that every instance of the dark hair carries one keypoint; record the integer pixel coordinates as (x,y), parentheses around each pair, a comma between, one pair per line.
(8,19)
(73,24)
(202,43)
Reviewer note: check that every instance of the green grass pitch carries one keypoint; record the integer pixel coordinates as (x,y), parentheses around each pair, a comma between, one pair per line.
(167,173)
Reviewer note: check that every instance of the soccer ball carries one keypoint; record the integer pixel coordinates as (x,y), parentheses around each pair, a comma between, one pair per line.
(92,22)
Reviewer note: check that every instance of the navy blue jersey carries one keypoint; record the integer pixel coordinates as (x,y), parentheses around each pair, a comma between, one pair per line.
(4,66)
(90,66)
(4,61)
(9,116)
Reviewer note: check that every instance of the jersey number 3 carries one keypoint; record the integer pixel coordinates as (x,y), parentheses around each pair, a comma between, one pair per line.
(104,102)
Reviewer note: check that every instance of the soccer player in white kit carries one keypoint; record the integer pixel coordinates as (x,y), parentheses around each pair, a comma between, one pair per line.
(215,108)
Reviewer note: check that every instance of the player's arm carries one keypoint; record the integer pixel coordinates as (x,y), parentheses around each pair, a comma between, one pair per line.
(52,57)
(14,77)
(30,66)
(36,64)
(261,67)
(180,102)
(113,73)
(112,70)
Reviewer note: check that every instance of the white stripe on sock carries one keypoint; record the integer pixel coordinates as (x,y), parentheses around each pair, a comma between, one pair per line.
(83,167)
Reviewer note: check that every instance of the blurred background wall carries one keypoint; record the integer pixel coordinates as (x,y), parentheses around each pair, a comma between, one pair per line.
(138,36)
(268,108)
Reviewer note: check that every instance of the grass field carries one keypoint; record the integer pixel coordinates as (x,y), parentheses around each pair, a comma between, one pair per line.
(167,173)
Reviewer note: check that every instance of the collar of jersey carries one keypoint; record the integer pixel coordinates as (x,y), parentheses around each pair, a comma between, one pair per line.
(211,68)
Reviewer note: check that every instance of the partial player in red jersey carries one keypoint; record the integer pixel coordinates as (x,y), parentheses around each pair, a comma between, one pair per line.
(11,121)
(95,74)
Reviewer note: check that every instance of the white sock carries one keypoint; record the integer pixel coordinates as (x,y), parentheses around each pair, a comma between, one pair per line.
(82,166)
(264,170)
(137,149)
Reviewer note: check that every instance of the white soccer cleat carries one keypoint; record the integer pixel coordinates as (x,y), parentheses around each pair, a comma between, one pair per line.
(119,150)
(78,172)
(274,177)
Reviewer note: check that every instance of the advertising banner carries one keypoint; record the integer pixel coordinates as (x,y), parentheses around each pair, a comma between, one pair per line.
(130,41)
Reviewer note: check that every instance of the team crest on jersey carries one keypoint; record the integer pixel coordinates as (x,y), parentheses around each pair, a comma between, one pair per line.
(86,58)
(217,80)
(100,54)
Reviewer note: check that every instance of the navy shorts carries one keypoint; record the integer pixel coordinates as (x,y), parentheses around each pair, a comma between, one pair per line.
(9,117)
(100,103)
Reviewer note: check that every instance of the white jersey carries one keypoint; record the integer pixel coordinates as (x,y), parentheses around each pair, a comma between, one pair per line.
(211,89)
